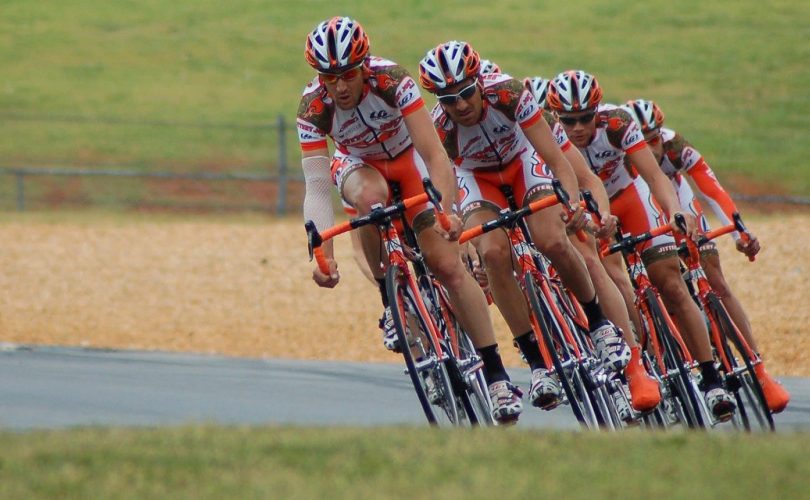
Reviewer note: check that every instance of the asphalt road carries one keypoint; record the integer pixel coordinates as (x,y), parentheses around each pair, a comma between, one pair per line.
(49,387)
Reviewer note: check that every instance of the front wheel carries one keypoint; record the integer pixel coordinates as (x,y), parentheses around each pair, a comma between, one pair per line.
(425,364)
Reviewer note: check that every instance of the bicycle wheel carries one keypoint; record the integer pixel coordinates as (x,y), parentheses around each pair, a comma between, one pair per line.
(597,384)
(752,409)
(467,362)
(565,366)
(424,364)
(680,383)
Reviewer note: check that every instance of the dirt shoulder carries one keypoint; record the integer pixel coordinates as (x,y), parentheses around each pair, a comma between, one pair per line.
(244,289)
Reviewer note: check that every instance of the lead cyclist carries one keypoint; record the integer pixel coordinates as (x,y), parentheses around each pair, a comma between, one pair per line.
(372,110)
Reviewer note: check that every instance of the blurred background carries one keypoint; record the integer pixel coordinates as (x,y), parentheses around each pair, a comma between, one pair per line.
(189,106)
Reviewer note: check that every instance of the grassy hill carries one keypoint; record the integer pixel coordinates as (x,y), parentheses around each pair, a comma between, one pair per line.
(128,82)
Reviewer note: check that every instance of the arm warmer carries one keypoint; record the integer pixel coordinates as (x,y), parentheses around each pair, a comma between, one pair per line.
(318,200)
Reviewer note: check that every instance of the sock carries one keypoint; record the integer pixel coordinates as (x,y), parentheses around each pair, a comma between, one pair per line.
(493,365)
(711,378)
(528,346)
(383,292)
(594,312)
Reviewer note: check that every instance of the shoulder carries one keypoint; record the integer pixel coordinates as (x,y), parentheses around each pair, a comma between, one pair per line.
(500,88)
(678,149)
(385,73)
(313,105)
(614,118)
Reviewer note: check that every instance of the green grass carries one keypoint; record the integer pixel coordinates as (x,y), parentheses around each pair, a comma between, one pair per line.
(269,462)
(731,75)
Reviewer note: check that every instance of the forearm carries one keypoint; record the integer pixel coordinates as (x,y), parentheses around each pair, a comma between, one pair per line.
(318,196)
(588,180)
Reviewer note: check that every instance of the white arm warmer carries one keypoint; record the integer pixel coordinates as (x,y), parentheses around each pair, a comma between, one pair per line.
(318,199)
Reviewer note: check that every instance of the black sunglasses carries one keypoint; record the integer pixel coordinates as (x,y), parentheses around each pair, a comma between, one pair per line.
(464,93)
(583,119)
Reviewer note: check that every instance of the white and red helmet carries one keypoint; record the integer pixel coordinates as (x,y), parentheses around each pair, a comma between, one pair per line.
(336,44)
(538,86)
(573,90)
(489,67)
(447,64)
(647,113)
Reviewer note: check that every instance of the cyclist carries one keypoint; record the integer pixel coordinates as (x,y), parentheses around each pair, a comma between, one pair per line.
(606,135)
(644,391)
(491,127)
(676,157)
(372,110)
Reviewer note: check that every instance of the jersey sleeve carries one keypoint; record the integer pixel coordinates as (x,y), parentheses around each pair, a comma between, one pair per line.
(558,131)
(511,97)
(718,199)
(311,121)
(397,88)
(623,132)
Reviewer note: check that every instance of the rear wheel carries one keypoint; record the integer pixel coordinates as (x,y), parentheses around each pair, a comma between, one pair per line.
(425,365)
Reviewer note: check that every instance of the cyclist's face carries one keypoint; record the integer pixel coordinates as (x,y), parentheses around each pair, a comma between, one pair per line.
(346,89)
(656,144)
(463,111)
(580,126)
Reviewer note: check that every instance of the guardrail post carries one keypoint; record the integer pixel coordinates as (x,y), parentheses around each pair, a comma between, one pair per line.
(281,207)
(20,176)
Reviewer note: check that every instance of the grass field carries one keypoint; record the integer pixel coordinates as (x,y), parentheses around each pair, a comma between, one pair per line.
(731,75)
(211,462)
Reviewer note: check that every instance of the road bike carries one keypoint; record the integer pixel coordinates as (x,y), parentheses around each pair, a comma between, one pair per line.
(440,358)
(557,319)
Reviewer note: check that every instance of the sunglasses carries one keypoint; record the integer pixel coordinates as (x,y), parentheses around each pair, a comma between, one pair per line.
(583,119)
(349,74)
(653,140)
(464,93)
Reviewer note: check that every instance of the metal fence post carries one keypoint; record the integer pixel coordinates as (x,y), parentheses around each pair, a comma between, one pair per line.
(20,176)
(281,207)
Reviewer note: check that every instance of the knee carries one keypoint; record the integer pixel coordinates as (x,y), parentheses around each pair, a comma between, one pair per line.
(364,200)
(554,247)
(448,270)
(720,286)
(673,289)
(498,258)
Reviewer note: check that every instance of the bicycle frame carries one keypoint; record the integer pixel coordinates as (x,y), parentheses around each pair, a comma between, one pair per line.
(538,280)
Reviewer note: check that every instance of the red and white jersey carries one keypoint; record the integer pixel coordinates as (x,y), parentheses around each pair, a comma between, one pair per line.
(498,138)
(375,128)
(617,134)
(680,157)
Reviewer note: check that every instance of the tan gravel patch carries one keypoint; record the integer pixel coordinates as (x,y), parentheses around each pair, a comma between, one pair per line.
(243,288)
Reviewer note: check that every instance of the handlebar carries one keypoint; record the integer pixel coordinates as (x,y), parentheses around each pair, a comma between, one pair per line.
(628,244)
(378,213)
(509,217)
(565,201)
(736,225)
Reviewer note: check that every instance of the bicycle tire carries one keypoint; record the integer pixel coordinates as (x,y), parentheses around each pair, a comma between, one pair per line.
(682,385)
(752,397)
(539,309)
(421,360)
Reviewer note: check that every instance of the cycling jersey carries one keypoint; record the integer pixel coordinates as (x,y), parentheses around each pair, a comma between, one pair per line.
(616,135)
(495,151)
(374,129)
(497,139)
(679,156)
(631,200)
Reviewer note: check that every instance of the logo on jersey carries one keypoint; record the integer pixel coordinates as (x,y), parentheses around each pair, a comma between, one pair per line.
(501,129)
(604,154)
(379,115)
